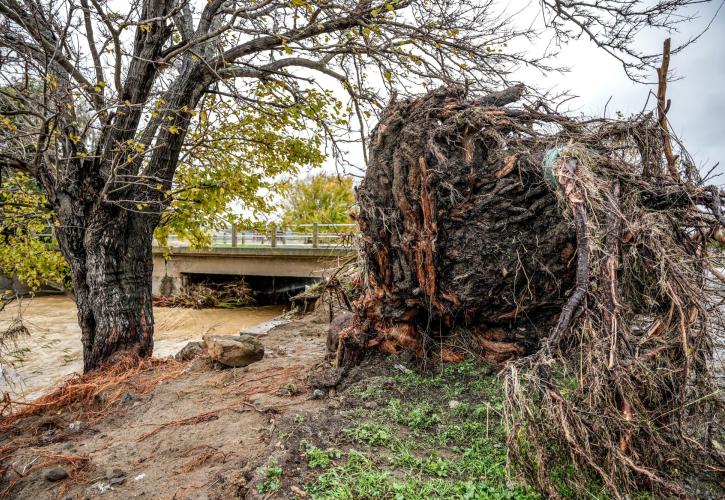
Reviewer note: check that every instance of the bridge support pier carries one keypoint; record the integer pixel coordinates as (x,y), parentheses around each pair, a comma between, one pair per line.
(167,278)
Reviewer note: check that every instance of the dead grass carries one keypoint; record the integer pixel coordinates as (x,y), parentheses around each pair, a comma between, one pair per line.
(94,392)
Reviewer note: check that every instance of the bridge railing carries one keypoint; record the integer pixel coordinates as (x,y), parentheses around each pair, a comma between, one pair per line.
(303,235)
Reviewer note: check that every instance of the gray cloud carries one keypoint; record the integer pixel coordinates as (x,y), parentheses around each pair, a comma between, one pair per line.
(697,113)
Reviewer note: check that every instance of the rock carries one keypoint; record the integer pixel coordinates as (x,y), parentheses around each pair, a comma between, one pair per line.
(338,324)
(115,474)
(371,405)
(234,351)
(452,404)
(401,368)
(54,474)
(189,351)
(117,481)
(128,399)
(318,394)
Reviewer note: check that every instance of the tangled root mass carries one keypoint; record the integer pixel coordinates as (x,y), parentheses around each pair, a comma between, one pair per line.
(565,249)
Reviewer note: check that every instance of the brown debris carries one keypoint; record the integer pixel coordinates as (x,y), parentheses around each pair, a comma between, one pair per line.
(203,296)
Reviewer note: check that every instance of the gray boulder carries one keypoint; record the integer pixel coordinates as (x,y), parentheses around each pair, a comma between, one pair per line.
(189,351)
(234,351)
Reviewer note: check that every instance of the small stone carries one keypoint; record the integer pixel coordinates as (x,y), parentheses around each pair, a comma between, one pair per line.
(453,404)
(189,351)
(128,399)
(116,481)
(115,474)
(234,351)
(55,474)
(318,394)
(371,405)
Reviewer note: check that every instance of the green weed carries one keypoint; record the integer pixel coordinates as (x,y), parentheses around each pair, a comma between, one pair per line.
(271,481)
(317,458)
(371,433)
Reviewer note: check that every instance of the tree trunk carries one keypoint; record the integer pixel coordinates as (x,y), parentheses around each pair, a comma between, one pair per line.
(109,251)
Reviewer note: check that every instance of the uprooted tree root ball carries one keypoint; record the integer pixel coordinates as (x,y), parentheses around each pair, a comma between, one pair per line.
(577,251)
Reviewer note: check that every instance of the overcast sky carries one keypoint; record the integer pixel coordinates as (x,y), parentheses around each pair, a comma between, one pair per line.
(697,113)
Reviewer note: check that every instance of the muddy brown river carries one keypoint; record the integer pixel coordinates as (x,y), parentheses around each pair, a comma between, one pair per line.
(53,349)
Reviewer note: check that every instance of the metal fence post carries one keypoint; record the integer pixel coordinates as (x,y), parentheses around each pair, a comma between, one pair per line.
(274,234)
(315,235)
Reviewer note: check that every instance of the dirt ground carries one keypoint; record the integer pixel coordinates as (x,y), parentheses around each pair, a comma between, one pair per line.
(394,428)
(222,422)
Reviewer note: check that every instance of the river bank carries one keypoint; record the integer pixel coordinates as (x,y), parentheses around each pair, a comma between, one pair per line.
(283,427)
(178,429)
(53,350)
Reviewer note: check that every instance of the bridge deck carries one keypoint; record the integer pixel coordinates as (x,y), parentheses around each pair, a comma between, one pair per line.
(258,251)
(172,264)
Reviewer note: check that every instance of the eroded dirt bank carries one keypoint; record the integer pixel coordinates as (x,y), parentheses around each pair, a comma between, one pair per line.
(52,350)
(192,436)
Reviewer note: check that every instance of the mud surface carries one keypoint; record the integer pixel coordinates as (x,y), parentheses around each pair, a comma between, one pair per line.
(53,349)
(193,436)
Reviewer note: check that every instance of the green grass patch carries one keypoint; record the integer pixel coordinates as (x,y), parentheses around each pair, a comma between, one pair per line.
(272,478)
(436,435)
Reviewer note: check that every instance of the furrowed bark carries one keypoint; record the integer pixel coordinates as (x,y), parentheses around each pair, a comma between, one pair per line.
(109,251)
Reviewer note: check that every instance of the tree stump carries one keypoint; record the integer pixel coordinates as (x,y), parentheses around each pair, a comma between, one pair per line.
(463,243)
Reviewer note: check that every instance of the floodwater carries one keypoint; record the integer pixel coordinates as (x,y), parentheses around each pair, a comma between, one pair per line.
(53,349)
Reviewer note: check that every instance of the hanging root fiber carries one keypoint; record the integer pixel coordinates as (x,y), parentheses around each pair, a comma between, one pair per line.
(573,252)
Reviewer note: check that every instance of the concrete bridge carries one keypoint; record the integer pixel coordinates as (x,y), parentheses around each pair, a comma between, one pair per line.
(276,263)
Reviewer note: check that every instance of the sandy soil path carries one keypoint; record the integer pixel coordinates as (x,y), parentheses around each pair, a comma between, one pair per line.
(190,437)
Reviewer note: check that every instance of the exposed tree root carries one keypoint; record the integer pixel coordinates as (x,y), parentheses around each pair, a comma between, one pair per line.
(76,463)
(569,244)
(94,392)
